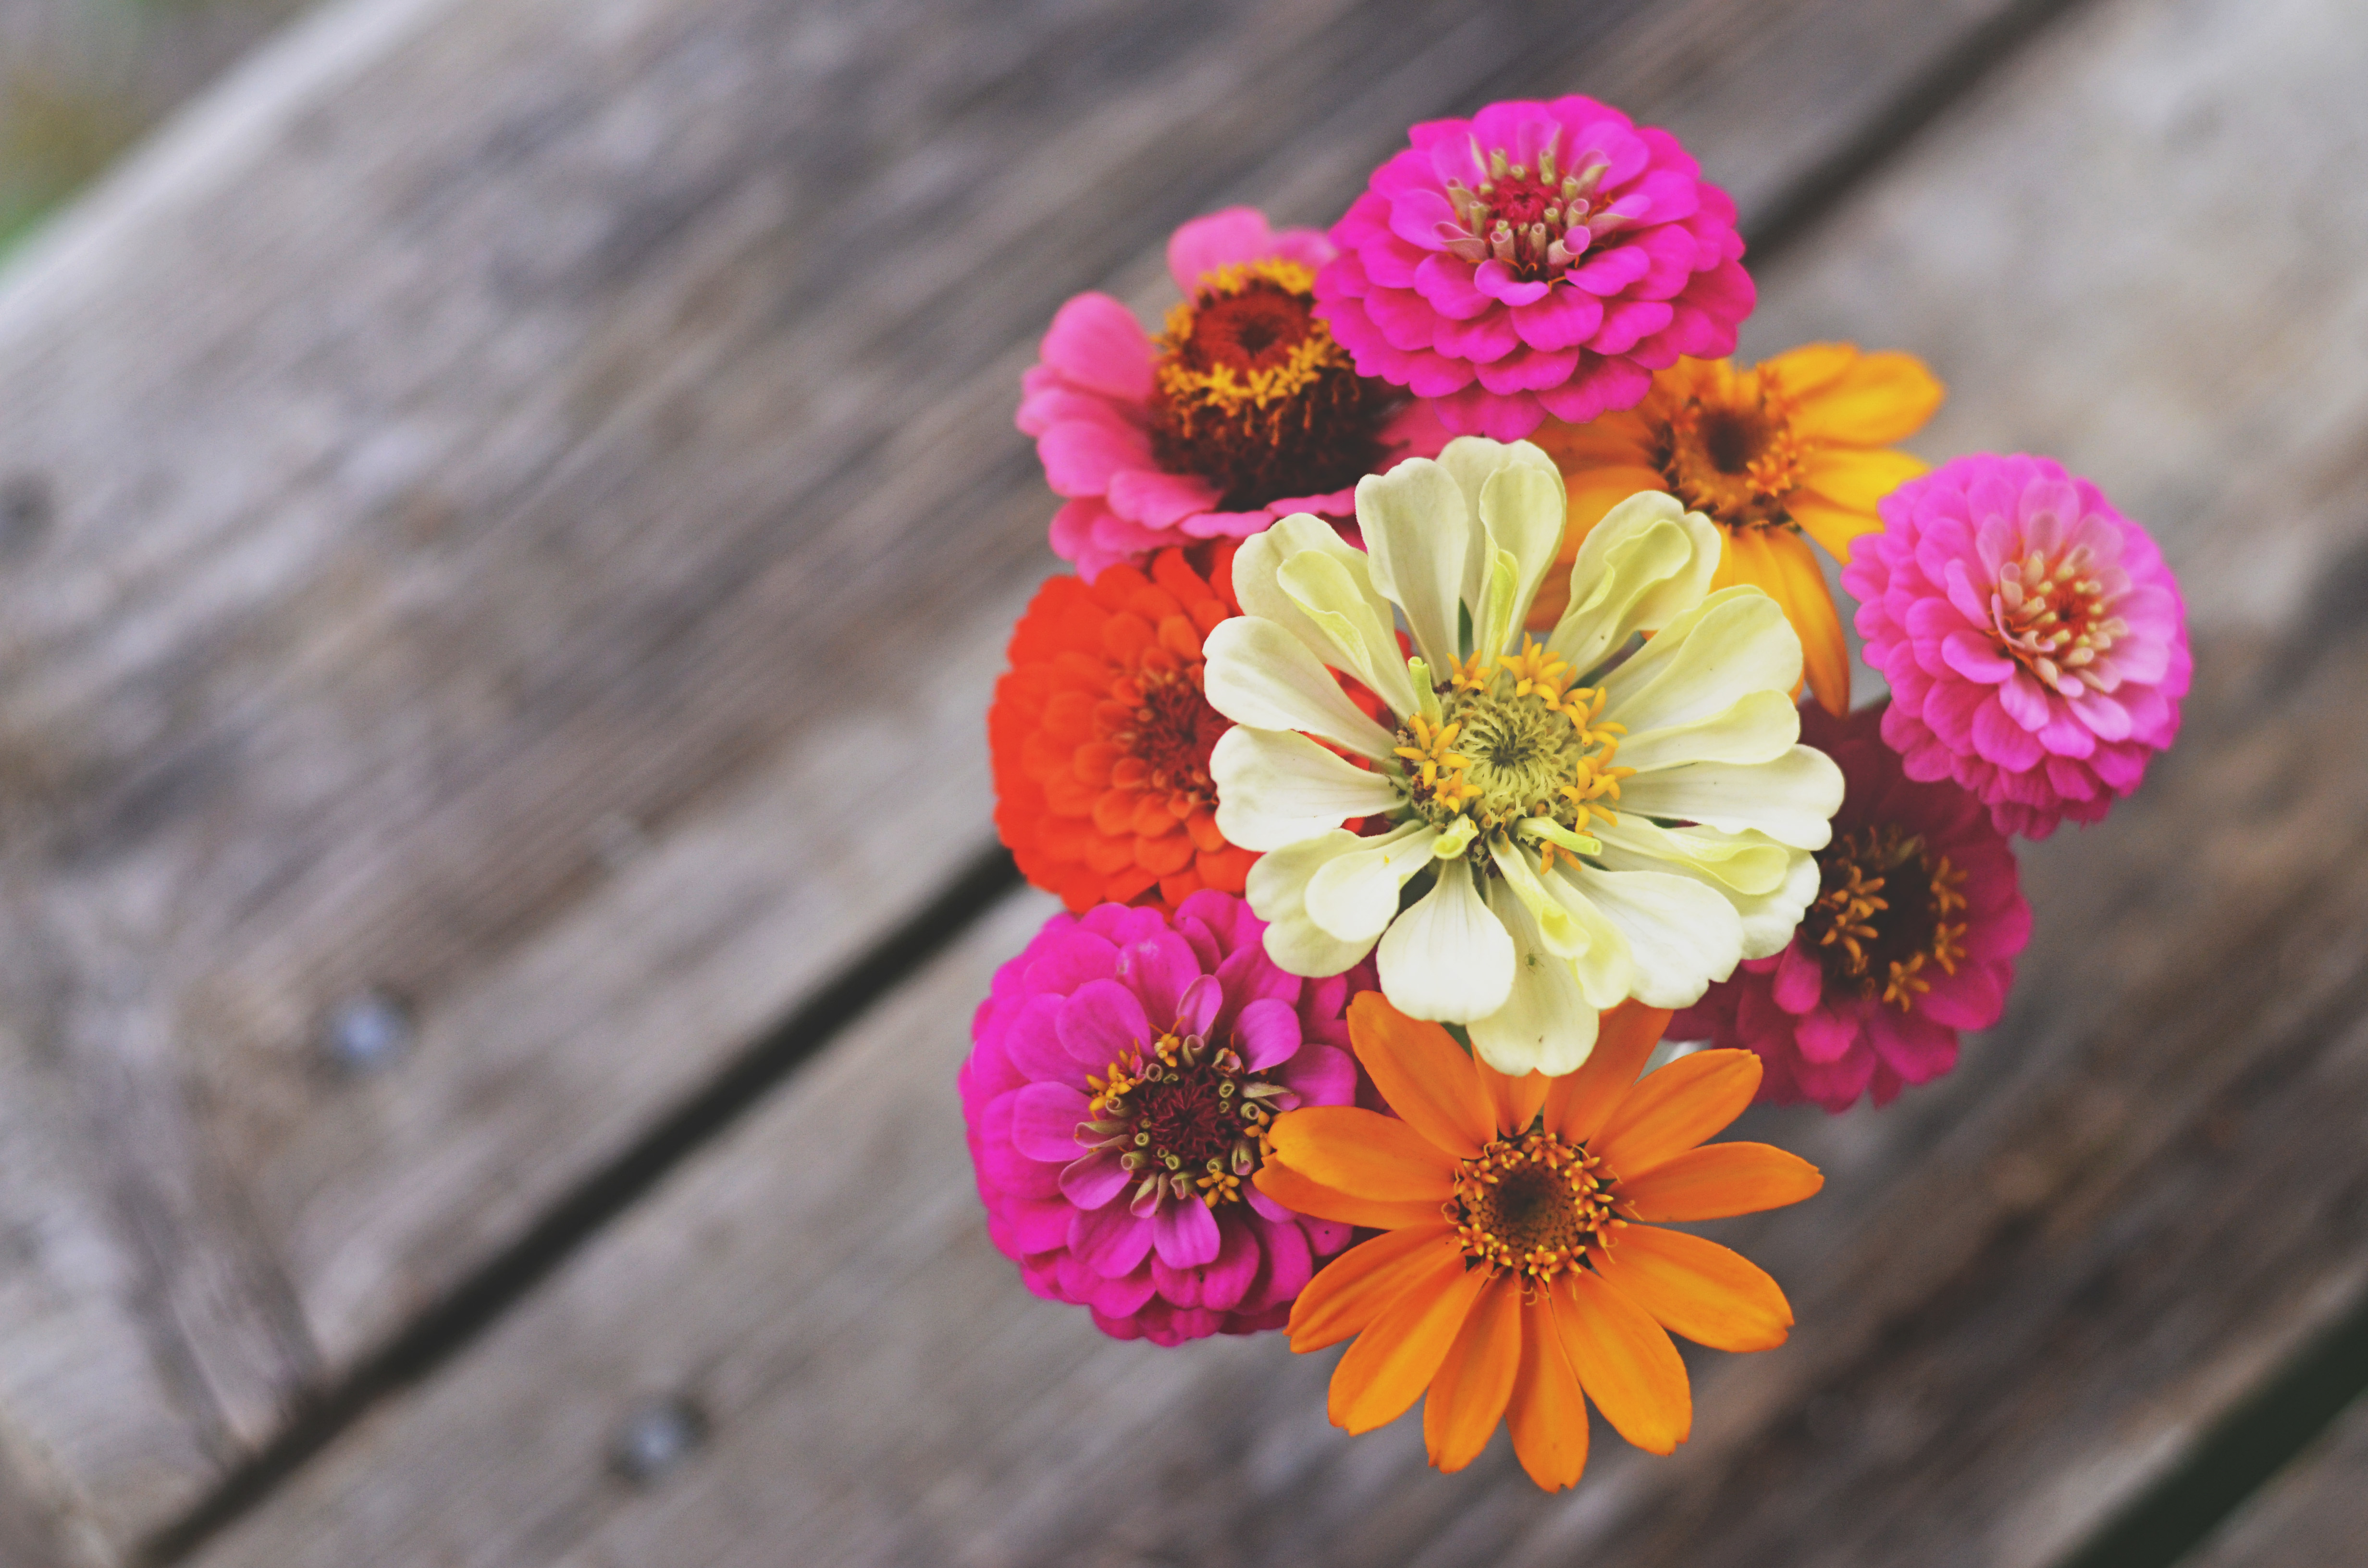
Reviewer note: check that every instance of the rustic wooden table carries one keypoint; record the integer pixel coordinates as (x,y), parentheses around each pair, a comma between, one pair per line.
(509,517)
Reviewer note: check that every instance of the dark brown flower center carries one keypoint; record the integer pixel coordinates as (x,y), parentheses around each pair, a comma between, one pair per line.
(1882,918)
(1186,1116)
(1533,1204)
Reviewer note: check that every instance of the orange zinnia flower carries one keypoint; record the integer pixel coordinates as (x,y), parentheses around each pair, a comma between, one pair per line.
(1792,446)
(1100,736)
(1517,1275)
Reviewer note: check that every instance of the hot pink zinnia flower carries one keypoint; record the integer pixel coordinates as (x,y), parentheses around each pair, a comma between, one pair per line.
(1537,258)
(1244,410)
(1121,1077)
(1912,938)
(2035,643)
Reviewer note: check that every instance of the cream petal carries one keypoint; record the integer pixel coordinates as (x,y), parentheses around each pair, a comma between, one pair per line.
(1447,959)
(1646,563)
(1767,918)
(1523,513)
(1607,969)
(1749,863)
(1758,726)
(1277,788)
(1684,934)
(1735,642)
(1355,896)
(1277,890)
(1338,601)
(1418,530)
(1791,800)
(1545,1025)
(1561,932)
(1473,460)
(1258,565)
(1260,675)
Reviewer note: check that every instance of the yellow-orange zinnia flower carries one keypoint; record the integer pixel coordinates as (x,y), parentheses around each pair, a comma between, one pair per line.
(1792,446)
(1517,1272)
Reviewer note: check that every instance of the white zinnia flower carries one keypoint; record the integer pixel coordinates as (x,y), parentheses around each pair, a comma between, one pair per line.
(1525,880)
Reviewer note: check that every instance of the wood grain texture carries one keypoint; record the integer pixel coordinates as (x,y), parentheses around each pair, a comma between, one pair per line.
(2024,1292)
(489,480)
(2315,1515)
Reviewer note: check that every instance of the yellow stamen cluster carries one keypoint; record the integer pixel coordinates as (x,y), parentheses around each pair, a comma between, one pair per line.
(1888,946)
(1533,1205)
(1438,766)
(1729,450)
(1227,388)
(1186,1116)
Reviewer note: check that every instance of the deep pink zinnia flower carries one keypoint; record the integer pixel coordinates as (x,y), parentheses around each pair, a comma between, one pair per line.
(2035,643)
(1537,258)
(1913,937)
(1121,1076)
(1242,411)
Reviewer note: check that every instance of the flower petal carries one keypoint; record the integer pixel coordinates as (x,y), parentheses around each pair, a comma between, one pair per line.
(1709,1294)
(1469,1391)
(1417,526)
(1044,1119)
(1647,562)
(1473,460)
(1354,1289)
(1184,1233)
(1355,896)
(1673,1109)
(1423,1077)
(1721,1179)
(1735,642)
(1313,1199)
(1337,599)
(1792,798)
(1364,1154)
(1447,957)
(1545,1027)
(1523,512)
(1400,1351)
(1547,1415)
(1577,1106)
(1625,1363)
(1277,890)
(1758,726)
(1262,675)
(1277,788)
(1683,935)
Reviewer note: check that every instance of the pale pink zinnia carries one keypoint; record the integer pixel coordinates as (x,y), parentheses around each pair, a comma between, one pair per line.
(1912,938)
(2034,641)
(1539,258)
(1241,411)
(1122,1076)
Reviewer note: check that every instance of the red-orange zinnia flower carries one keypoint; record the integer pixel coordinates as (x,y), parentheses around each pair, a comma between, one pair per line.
(1102,738)
(1517,1275)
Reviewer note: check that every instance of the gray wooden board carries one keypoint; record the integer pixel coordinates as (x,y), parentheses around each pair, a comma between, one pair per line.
(2315,1515)
(489,495)
(2025,1291)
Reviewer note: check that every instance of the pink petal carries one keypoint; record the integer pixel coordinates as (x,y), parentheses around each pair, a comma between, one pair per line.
(1158,500)
(1111,1240)
(1093,1180)
(1267,1033)
(1800,979)
(1103,1022)
(1563,319)
(1973,657)
(1496,279)
(1184,1233)
(1033,1043)
(1824,1035)
(1446,283)
(1096,343)
(1044,1119)
(1069,960)
(1320,1074)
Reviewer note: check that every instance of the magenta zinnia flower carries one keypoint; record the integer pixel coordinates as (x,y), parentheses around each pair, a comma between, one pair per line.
(1242,411)
(1913,937)
(1122,1077)
(1537,258)
(2035,643)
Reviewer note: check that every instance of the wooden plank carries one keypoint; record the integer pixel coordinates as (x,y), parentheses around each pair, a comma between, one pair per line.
(458,561)
(2025,1290)
(2313,1515)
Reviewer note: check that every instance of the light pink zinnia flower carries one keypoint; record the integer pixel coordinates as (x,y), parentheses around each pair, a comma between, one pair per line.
(1913,937)
(1537,258)
(1242,411)
(1122,1076)
(2035,643)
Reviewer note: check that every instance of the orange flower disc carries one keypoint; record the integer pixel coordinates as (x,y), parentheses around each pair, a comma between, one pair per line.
(1102,738)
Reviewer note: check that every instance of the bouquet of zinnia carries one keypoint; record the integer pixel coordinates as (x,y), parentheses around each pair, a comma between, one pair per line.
(1420,740)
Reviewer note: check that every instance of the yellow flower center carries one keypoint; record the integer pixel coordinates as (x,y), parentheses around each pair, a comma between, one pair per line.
(1882,921)
(1533,1204)
(2054,619)
(1728,450)
(1187,1117)
(1252,394)
(1516,741)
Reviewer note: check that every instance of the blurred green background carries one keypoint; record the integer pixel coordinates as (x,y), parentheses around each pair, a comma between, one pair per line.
(80,80)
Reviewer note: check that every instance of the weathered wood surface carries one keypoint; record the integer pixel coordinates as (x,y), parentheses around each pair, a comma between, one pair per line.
(2025,1293)
(2314,1516)
(485,500)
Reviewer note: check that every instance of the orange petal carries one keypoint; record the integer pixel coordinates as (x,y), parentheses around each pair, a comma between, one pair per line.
(1515,1100)
(1364,1154)
(1577,1104)
(1720,1179)
(1808,604)
(1297,1193)
(1858,477)
(1547,1415)
(1592,492)
(1467,1396)
(1351,1291)
(1625,1362)
(1830,525)
(1676,1107)
(1881,399)
(1699,1289)
(1423,1074)
(1395,1357)
(1810,367)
